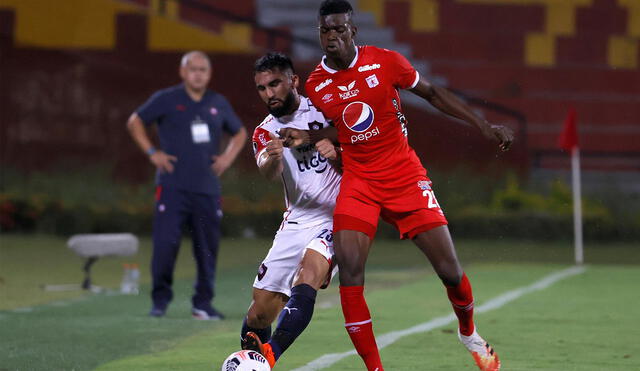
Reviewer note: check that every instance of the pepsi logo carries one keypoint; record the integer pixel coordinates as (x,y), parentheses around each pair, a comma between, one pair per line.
(358,116)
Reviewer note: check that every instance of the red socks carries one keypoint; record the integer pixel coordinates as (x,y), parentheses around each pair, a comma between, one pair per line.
(359,326)
(461,299)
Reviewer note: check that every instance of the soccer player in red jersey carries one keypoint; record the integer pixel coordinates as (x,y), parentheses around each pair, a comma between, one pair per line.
(356,87)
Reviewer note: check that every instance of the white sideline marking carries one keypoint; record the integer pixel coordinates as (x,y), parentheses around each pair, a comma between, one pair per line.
(495,303)
(56,303)
(59,303)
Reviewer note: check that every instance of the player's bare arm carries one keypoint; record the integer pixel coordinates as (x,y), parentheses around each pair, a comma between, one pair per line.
(270,159)
(296,137)
(161,160)
(450,104)
(222,162)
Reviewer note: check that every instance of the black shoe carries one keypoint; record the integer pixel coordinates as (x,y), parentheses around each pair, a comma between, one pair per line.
(157,312)
(208,314)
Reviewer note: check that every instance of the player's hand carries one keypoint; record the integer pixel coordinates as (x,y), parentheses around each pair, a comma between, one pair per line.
(294,137)
(326,149)
(220,164)
(163,161)
(504,135)
(275,147)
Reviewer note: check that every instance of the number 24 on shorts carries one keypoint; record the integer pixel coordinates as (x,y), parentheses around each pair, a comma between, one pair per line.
(433,203)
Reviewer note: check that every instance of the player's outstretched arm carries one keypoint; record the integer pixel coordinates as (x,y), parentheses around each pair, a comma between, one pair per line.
(270,158)
(450,104)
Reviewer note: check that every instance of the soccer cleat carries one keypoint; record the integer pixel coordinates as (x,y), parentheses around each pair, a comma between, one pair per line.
(209,314)
(252,341)
(157,312)
(484,355)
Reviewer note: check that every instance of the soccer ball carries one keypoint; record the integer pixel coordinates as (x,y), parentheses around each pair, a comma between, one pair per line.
(246,360)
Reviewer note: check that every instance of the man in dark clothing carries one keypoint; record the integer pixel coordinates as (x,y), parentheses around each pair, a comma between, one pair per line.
(191,120)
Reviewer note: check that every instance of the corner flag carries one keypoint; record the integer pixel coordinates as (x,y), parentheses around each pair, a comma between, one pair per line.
(569,136)
(568,141)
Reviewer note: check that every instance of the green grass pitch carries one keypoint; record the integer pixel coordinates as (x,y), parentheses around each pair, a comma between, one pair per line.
(584,322)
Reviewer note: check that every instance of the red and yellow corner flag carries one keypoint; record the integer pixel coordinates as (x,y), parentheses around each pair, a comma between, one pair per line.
(569,136)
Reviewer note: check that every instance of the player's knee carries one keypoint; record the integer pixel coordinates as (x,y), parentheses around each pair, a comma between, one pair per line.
(353,278)
(355,271)
(449,271)
(310,277)
(451,278)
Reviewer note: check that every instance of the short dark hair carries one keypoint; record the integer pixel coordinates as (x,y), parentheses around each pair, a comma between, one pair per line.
(334,7)
(273,60)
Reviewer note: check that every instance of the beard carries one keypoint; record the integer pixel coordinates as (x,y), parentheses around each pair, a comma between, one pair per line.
(286,108)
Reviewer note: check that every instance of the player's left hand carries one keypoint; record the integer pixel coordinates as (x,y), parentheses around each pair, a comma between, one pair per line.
(220,164)
(327,149)
(504,135)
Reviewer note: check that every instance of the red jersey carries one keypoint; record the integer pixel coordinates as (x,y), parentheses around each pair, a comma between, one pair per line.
(364,105)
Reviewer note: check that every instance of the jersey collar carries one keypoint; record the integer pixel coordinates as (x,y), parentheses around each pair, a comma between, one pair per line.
(303,107)
(304,104)
(331,70)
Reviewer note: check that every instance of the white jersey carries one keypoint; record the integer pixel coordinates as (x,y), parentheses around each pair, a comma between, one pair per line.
(311,183)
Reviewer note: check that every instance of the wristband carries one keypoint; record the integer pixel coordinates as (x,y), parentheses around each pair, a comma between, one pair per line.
(151,151)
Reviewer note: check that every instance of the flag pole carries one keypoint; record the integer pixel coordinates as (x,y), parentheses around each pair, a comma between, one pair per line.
(568,141)
(577,205)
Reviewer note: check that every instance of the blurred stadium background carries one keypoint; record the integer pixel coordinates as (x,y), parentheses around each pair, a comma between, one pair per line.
(72,71)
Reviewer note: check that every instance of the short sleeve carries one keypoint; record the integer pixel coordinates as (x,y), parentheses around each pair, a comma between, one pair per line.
(232,123)
(260,139)
(152,109)
(404,75)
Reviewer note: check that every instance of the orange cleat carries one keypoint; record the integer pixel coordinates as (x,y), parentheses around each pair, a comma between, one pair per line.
(484,355)
(252,341)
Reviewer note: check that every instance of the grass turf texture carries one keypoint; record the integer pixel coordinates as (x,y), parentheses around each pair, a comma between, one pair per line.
(576,324)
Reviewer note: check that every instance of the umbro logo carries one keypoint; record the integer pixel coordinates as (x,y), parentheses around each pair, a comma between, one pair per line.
(353,329)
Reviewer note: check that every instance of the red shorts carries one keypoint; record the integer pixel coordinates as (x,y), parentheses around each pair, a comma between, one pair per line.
(412,208)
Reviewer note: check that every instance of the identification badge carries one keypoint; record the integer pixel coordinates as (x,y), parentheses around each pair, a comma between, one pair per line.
(200,131)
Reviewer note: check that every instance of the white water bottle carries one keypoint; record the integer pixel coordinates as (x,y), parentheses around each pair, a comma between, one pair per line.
(134,279)
(125,285)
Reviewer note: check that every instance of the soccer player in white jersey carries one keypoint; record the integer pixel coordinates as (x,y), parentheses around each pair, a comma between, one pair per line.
(299,261)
